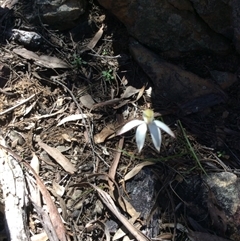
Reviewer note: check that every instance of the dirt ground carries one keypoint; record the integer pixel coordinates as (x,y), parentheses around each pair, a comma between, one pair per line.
(60,113)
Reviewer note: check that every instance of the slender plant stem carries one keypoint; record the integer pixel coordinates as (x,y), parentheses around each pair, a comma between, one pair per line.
(190,147)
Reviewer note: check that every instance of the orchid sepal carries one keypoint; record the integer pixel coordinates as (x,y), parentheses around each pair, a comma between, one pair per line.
(156,135)
(130,125)
(164,127)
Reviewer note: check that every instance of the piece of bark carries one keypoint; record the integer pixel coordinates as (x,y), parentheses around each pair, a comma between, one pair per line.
(13,188)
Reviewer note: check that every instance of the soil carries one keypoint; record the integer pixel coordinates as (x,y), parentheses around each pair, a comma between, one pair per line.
(92,84)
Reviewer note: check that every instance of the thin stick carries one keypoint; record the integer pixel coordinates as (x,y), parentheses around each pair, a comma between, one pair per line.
(19,104)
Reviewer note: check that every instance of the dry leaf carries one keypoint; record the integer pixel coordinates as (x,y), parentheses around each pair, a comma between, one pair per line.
(124,81)
(29,108)
(59,157)
(113,168)
(129,208)
(121,232)
(16,138)
(42,60)
(96,38)
(104,134)
(66,137)
(87,101)
(149,92)
(35,163)
(34,192)
(58,189)
(118,235)
(140,93)
(98,209)
(39,237)
(130,90)
(126,238)
(137,169)
(45,157)
(73,118)
(63,148)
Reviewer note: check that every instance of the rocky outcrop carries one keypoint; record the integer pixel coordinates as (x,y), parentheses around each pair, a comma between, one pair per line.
(172,84)
(236,23)
(180,26)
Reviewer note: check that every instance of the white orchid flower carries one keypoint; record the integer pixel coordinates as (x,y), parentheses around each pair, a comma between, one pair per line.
(154,127)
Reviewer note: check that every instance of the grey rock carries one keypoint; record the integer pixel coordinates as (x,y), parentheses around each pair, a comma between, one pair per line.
(143,193)
(213,201)
(61,14)
(27,38)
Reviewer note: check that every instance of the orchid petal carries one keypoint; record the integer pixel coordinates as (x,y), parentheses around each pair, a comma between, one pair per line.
(141,135)
(131,124)
(164,127)
(155,134)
